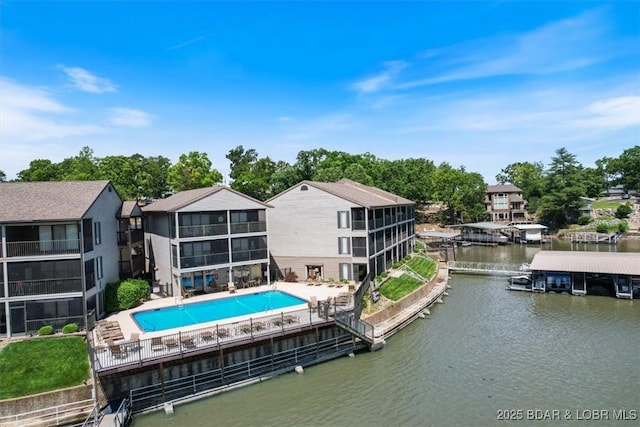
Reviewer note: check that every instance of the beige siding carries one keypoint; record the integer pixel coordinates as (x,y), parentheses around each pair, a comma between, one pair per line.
(222,200)
(298,265)
(160,252)
(306,223)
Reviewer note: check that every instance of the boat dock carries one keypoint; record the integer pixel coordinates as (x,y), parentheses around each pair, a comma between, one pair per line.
(487,268)
(593,237)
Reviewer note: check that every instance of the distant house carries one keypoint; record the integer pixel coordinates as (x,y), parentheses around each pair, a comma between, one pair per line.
(339,230)
(205,239)
(505,204)
(59,250)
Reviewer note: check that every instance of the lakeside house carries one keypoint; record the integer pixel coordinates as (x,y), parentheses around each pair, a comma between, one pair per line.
(206,240)
(59,250)
(339,230)
(505,204)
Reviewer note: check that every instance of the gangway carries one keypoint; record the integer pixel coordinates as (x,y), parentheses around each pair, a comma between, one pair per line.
(488,268)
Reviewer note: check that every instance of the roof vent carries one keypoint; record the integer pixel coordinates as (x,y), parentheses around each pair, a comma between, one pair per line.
(304,188)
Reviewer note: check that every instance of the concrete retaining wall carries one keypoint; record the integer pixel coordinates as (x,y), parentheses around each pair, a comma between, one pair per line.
(35,402)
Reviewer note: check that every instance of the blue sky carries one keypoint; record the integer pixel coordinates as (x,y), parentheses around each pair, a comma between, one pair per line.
(475,84)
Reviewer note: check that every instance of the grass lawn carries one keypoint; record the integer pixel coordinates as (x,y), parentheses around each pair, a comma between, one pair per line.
(397,287)
(423,266)
(38,365)
(606,204)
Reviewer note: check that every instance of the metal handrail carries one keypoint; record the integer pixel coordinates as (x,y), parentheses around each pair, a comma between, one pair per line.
(43,247)
(58,411)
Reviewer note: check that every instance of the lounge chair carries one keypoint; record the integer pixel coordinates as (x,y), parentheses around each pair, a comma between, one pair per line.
(170,343)
(259,326)
(223,332)
(290,318)
(134,341)
(245,329)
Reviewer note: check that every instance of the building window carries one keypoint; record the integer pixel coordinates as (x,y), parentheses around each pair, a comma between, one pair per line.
(97,232)
(501,201)
(344,245)
(345,271)
(99,272)
(343,219)
(359,245)
(87,235)
(89,274)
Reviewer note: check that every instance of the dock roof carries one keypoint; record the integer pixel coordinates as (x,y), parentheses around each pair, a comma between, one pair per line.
(627,263)
(437,234)
(482,226)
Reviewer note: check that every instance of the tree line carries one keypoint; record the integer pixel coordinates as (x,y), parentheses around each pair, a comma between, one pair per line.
(553,192)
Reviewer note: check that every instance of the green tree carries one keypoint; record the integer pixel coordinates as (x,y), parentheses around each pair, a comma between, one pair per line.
(83,167)
(627,167)
(461,194)
(409,178)
(193,170)
(135,176)
(40,170)
(153,177)
(563,191)
(3,176)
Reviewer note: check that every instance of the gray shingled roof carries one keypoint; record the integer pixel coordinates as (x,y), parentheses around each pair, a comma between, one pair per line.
(47,201)
(360,194)
(507,188)
(491,226)
(627,263)
(185,198)
(130,208)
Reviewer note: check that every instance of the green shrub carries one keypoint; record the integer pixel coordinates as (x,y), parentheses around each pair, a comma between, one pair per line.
(125,295)
(384,274)
(623,226)
(602,228)
(45,330)
(397,264)
(70,328)
(584,220)
(623,211)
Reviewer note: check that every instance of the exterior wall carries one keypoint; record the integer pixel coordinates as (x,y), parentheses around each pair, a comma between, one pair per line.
(298,265)
(306,223)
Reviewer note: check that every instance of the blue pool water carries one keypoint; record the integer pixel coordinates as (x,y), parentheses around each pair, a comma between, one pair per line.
(208,311)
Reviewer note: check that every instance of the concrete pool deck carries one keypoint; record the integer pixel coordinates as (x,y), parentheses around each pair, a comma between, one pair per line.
(301,290)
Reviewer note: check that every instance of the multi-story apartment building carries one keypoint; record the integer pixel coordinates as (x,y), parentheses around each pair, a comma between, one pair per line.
(205,239)
(59,250)
(505,204)
(339,230)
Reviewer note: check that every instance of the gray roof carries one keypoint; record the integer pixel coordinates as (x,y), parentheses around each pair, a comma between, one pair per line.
(529,226)
(130,208)
(507,188)
(437,234)
(627,263)
(360,194)
(185,198)
(48,201)
(482,226)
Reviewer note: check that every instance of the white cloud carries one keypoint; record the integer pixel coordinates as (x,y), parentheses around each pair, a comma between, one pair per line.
(317,127)
(34,125)
(380,80)
(558,46)
(85,81)
(618,112)
(130,117)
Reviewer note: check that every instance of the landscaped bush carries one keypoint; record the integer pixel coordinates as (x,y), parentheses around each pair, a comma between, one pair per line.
(623,226)
(623,211)
(126,294)
(45,330)
(602,228)
(291,277)
(70,328)
(584,220)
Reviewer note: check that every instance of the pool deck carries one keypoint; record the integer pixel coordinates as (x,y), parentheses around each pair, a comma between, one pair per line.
(301,290)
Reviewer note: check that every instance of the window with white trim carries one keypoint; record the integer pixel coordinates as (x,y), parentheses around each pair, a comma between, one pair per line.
(97,232)
(344,245)
(99,272)
(343,219)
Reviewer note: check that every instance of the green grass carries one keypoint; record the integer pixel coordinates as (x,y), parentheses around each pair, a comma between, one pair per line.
(39,365)
(397,287)
(425,267)
(606,204)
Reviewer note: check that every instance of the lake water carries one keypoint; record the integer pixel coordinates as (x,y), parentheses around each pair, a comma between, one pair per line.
(484,351)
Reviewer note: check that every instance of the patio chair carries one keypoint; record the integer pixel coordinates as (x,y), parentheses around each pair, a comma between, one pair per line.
(170,343)
(134,341)
(208,336)
(187,341)
(156,344)
(259,326)
(116,350)
(223,332)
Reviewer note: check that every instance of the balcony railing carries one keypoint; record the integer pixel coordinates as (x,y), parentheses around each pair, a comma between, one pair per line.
(202,230)
(204,260)
(43,247)
(128,267)
(358,224)
(255,254)
(248,227)
(45,287)
(359,252)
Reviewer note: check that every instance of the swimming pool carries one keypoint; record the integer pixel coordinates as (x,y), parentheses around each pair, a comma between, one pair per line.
(207,311)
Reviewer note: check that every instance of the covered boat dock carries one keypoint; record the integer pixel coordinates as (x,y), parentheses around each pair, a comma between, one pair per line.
(615,274)
(483,233)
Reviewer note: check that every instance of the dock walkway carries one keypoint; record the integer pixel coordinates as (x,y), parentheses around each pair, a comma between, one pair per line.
(487,268)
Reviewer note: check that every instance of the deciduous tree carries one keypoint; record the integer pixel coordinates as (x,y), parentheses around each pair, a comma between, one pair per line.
(193,170)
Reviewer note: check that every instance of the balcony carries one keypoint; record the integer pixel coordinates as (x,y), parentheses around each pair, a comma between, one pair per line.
(43,247)
(357,224)
(136,236)
(187,231)
(204,260)
(131,268)
(248,227)
(45,287)
(252,255)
